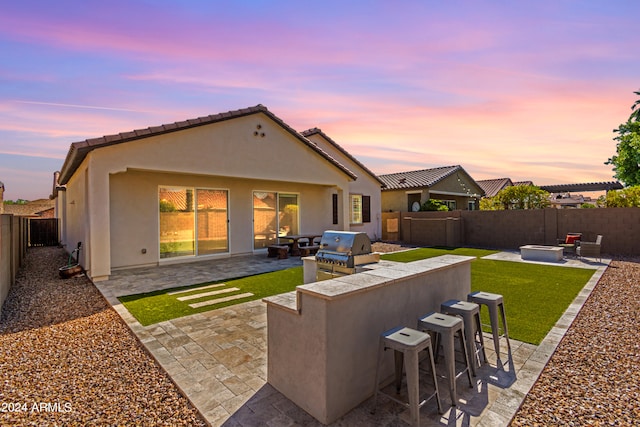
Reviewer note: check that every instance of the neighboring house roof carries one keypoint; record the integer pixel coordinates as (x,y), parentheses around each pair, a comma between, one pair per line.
(492,187)
(32,208)
(417,179)
(517,183)
(79,150)
(591,186)
(318,131)
(568,200)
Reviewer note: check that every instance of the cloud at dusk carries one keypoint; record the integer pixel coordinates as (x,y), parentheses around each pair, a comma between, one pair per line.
(529,91)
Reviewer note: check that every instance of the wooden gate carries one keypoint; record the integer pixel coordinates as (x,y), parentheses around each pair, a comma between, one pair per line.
(43,232)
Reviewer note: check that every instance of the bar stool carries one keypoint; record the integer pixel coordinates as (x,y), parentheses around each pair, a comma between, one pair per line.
(407,343)
(494,302)
(445,328)
(470,314)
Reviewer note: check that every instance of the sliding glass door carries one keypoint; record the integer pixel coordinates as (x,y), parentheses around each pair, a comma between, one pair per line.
(192,221)
(212,221)
(274,214)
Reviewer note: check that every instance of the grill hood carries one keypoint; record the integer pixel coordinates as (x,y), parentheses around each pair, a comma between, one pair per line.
(348,243)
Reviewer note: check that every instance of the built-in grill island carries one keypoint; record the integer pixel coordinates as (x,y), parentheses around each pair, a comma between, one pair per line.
(342,253)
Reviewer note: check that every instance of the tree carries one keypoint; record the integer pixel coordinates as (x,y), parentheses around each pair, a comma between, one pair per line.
(626,163)
(626,198)
(635,109)
(434,205)
(517,197)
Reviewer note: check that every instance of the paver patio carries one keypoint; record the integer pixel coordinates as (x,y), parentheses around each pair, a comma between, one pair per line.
(218,358)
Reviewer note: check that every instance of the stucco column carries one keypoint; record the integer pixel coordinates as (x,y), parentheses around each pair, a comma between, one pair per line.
(346,207)
(98,246)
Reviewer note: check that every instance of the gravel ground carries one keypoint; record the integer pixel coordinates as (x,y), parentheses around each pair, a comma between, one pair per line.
(593,378)
(66,357)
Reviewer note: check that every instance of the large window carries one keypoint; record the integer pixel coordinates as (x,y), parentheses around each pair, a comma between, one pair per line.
(192,221)
(274,214)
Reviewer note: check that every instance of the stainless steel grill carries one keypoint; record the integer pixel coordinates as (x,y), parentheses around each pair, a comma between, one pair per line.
(341,252)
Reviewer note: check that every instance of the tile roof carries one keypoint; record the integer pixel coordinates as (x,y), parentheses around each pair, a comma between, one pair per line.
(32,208)
(79,150)
(318,131)
(491,187)
(417,179)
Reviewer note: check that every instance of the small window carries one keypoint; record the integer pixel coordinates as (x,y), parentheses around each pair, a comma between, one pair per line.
(360,209)
(334,202)
(451,204)
(356,208)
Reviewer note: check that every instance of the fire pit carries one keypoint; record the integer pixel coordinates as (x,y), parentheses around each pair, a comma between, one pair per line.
(541,253)
(342,252)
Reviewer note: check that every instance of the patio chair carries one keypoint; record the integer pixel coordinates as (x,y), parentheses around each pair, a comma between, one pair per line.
(570,243)
(590,249)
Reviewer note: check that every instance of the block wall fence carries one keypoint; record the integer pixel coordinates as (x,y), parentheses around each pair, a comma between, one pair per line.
(13,246)
(510,229)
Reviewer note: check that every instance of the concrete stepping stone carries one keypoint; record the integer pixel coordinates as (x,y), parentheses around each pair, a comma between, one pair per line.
(184,291)
(207,294)
(219,300)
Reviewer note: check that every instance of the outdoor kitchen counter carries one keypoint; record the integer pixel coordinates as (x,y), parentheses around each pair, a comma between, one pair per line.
(323,338)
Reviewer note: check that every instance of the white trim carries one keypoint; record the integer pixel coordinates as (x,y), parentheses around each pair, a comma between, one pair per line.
(452,193)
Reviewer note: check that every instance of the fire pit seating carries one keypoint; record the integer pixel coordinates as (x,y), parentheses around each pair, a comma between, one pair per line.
(570,242)
(280,251)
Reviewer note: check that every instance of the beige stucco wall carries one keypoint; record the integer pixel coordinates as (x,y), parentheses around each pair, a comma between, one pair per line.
(396,200)
(117,185)
(74,223)
(134,211)
(365,185)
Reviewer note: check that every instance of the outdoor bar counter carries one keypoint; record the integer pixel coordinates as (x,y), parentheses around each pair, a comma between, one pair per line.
(323,338)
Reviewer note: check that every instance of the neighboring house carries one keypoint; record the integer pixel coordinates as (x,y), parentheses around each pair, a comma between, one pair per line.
(492,187)
(406,191)
(567,200)
(219,185)
(41,208)
(364,193)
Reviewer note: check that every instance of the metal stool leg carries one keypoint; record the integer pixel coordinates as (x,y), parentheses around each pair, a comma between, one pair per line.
(495,328)
(504,325)
(481,336)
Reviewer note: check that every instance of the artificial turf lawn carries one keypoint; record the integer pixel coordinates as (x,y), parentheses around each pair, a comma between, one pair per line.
(535,295)
(158,306)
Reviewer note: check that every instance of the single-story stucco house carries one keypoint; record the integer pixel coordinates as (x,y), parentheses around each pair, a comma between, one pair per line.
(407,191)
(215,186)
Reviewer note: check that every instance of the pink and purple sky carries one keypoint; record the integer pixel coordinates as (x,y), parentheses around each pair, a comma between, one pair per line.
(529,90)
